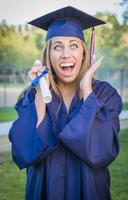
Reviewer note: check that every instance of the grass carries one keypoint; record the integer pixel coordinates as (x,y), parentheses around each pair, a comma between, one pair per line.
(125,106)
(119,170)
(12,184)
(7,114)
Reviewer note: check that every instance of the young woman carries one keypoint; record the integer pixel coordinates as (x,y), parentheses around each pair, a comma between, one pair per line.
(67,144)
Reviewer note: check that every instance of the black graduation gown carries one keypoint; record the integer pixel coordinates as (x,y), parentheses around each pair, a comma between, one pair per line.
(68,154)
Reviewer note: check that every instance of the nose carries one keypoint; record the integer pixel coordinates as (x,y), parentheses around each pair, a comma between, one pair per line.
(66,52)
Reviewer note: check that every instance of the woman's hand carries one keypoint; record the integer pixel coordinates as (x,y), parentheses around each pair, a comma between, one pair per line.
(36,70)
(86,82)
(40,105)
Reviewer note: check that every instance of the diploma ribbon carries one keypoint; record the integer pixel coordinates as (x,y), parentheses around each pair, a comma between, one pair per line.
(34,83)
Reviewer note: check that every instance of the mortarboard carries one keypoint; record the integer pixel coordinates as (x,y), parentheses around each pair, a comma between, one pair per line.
(67,21)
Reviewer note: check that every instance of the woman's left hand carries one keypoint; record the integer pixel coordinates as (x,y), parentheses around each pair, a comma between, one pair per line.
(86,82)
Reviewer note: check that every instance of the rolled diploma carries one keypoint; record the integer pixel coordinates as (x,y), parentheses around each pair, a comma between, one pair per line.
(46,94)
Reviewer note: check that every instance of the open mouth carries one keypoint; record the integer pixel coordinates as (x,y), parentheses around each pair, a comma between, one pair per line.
(67,68)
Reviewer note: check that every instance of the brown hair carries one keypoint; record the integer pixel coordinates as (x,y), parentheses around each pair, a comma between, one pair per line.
(52,76)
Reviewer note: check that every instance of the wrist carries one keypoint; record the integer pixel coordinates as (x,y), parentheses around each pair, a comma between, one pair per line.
(86,93)
(38,91)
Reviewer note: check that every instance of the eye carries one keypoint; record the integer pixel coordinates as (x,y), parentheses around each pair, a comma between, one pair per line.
(74,46)
(57,47)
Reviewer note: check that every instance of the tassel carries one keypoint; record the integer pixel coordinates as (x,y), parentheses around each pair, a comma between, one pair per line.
(92,46)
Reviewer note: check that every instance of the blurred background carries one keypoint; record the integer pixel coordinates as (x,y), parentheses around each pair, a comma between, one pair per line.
(21,44)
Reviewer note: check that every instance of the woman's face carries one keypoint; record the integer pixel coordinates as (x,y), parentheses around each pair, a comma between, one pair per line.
(66,55)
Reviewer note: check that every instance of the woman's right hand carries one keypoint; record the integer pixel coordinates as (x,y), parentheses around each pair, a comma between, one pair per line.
(36,70)
(40,105)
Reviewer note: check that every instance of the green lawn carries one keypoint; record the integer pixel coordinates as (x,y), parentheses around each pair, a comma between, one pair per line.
(7,114)
(119,170)
(125,106)
(12,184)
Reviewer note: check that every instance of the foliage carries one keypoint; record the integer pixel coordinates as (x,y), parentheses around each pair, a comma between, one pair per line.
(18,50)
(124,4)
(112,41)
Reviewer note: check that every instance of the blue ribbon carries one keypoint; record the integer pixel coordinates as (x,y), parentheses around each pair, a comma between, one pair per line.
(35,82)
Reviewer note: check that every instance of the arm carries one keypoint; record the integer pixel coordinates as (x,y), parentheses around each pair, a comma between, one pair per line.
(30,143)
(92,134)
(40,107)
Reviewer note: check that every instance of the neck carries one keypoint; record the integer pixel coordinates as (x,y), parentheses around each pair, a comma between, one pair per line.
(68,91)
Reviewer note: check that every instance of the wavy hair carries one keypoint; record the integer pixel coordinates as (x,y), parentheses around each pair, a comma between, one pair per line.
(52,76)
(45,60)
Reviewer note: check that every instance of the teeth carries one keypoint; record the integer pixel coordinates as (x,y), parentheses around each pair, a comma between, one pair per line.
(67,64)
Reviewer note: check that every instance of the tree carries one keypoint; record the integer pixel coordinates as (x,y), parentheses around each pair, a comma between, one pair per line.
(16,51)
(124,4)
(109,41)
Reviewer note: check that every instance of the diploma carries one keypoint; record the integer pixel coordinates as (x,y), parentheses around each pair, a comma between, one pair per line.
(45,91)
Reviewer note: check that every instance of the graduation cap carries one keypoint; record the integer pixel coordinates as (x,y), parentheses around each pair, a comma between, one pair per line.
(68,21)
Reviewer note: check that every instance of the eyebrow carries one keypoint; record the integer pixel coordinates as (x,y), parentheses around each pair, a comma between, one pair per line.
(69,41)
(74,41)
(57,42)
